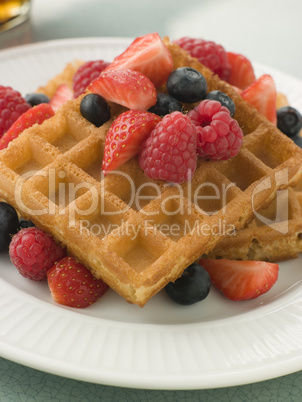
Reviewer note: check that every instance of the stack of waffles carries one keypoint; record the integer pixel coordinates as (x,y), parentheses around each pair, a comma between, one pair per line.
(135,233)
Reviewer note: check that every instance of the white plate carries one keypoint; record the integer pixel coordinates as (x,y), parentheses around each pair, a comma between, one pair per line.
(214,343)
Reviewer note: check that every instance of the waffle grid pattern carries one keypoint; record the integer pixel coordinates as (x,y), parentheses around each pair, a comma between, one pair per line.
(275,233)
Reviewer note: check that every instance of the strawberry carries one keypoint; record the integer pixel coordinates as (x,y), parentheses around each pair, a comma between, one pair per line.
(262,94)
(35,115)
(242,72)
(241,280)
(62,95)
(126,87)
(238,90)
(125,137)
(148,55)
(73,285)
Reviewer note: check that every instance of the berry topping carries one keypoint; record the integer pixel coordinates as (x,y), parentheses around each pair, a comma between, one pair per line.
(147,55)
(219,136)
(73,285)
(187,85)
(224,99)
(125,137)
(241,280)
(36,98)
(62,95)
(9,225)
(165,104)
(95,109)
(24,224)
(209,54)
(35,115)
(87,73)
(169,153)
(126,87)
(242,74)
(193,286)
(289,120)
(33,252)
(297,140)
(12,105)
(262,95)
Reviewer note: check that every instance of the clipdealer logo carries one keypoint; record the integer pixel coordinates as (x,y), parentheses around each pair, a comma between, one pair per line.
(60,196)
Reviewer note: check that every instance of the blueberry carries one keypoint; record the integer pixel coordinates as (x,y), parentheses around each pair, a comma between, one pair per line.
(187,85)
(193,286)
(165,104)
(36,98)
(24,224)
(95,109)
(223,98)
(9,224)
(297,140)
(289,120)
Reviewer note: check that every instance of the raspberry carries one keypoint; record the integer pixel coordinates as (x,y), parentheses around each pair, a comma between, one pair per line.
(208,53)
(87,73)
(219,136)
(12,105)
(169,153)
(33,252)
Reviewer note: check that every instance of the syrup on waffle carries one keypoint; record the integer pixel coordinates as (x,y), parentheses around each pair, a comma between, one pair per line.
(135,233)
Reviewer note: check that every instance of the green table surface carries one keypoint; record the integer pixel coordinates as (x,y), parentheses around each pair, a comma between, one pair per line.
(20,383)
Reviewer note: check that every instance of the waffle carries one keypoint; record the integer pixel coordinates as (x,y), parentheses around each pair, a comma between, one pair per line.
(275,233)
(135,233)
(64,77)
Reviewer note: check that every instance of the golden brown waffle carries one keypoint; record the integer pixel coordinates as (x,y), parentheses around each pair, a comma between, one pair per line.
(65,77)
(135,233)
(275,233)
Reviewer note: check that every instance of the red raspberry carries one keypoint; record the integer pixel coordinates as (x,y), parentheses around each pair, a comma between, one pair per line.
(219,136)
(169,153)
(208,53)
(33,252)
(12,105)
(87,73)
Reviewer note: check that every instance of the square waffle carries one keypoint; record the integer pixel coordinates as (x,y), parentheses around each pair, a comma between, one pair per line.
(135,233)
(275,233)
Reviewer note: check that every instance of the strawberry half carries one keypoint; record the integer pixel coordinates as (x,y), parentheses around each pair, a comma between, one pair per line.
(242,72)
(62,95)
(126,87)
(73,285)
(148,55)
(262,94)
(241,280)
(35,115)
(125,137)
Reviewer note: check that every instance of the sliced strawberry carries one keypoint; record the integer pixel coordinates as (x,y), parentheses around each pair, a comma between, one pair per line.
(238,90)
(241,280)
(62,95)
(262,94)
(148,55)
(126,87)
(35,115)
(125,137)
(242,74)
(73,285)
